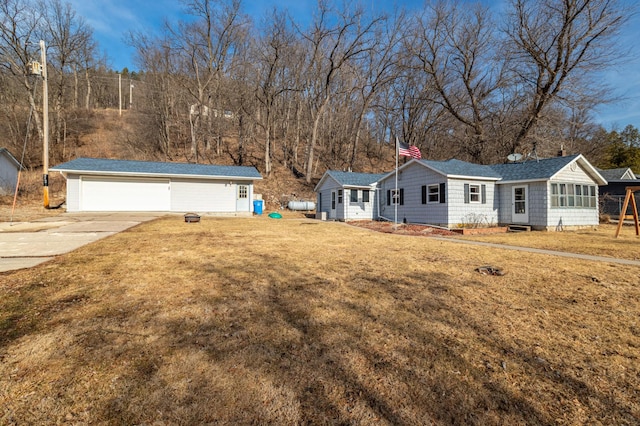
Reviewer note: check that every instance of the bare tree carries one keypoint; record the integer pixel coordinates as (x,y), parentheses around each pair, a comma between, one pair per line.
(71,39)
(455,48)
(332,46)
(558,45)
(273,52)
(19,35)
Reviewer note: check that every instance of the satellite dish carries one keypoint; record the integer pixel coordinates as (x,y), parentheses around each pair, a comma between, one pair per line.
(514,157)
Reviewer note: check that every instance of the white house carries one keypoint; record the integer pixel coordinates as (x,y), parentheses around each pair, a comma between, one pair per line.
(548,194)
(9,168)
(347,195)
(95,184)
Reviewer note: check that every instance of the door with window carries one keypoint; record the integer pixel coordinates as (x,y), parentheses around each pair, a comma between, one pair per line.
(520,204)
(242,200)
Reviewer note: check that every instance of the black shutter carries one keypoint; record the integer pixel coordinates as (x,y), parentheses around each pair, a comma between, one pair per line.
(388,197)
(401,196)
(466,193)
(442,200)
(484,194)
(424,194)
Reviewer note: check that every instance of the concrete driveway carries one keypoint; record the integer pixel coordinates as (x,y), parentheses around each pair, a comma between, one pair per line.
(27,244)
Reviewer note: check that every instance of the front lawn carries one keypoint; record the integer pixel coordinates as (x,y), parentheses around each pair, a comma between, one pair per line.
(236,321)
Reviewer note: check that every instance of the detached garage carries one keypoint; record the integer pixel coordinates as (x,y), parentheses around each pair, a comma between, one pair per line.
(95,184)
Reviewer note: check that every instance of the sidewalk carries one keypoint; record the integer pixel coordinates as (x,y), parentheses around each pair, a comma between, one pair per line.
(542,251)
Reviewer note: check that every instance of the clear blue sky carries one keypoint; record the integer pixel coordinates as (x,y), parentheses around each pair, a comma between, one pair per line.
(111,19)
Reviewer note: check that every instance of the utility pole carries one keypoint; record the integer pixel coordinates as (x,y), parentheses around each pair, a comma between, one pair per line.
(130,94)
(120,94)
(45,125)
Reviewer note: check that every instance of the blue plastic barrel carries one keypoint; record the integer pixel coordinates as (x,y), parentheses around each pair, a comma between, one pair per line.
(257,206)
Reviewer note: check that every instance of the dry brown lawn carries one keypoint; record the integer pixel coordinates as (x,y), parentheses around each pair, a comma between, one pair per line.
(595,242)
(236,321)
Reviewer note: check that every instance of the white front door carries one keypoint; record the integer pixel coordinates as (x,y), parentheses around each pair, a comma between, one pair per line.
(520,205)
(242,198)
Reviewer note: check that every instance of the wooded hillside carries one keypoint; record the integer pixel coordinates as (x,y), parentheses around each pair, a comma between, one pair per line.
(297,98)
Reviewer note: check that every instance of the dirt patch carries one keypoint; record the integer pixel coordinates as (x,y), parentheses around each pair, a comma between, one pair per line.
(401,228)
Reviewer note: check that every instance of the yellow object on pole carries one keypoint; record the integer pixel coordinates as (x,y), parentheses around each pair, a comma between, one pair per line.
(45,126)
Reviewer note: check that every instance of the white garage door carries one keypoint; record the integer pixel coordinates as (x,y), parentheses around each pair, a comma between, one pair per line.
(124,194)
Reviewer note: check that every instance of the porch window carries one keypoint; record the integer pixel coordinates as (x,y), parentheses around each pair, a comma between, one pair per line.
(353,197)
(365,195)
(570,195)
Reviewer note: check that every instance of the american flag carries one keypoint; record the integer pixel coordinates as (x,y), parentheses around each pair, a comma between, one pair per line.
(408,150)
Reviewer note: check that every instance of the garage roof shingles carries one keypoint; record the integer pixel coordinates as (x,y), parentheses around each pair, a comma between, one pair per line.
(129,167)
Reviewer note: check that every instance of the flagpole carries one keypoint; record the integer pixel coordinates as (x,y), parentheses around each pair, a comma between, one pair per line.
(396,197)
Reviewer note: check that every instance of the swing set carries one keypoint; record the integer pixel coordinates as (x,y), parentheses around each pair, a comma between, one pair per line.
(634,209)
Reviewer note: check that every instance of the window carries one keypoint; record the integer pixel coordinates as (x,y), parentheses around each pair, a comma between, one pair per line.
(563,195)
(395,196)
(333,200)
(434,193)
(570,195)
(339,196)
(243,191)
(365,195)
(353,196)
(474,193)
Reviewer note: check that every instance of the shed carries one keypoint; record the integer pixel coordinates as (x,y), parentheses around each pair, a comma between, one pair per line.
(98,184)
(9,168)
(347,195)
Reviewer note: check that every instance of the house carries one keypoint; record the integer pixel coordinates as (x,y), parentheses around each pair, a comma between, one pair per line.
(95,184)
(9,168)
(547,194)
(444,193)
(347,195)
(612,194)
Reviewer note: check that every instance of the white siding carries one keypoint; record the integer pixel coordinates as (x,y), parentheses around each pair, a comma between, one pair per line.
(200,196)
(325,190)
(451,213)
(186,195)
(345,210)
(537,202)
(411,179)
(359,210)
(461,213)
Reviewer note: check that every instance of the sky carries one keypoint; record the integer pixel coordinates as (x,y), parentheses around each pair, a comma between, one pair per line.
(111,19)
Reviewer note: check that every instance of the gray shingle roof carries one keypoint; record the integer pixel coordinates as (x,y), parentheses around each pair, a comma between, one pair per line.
(128,167)
(355,179)
(455,167)
(615,174)
(533,169)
